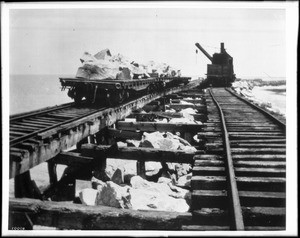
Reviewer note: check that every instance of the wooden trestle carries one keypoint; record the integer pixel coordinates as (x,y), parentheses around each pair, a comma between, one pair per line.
(257,150)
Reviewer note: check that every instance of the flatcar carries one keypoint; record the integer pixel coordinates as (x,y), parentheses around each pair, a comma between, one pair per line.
(114,92)
(220,72)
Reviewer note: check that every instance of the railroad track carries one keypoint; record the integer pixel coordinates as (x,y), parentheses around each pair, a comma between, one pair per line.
(24,128)
(240,183)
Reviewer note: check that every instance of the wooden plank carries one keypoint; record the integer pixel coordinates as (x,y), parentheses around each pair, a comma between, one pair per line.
(256,133)
(66,215)
(158,126)
(258,150)
(253,129)
(124,134)
(260,172)
(254,141)
(49,121)
(260,137)
(157,114)
(72,158)
(20,130)
(271,184)
(259,164)
(212,216)
(209,198)
(37,122)
(17,133)
(253,145)
(27,146)
(37,126)
(243,183)
(205,228)
(208,156)
(264,216)
(210,163)
(218,198)
(262,199)
(12,126)
(209,183)
(195,101)
(264,157)
(140,154)
(176,106)
(209,170)
(225,228)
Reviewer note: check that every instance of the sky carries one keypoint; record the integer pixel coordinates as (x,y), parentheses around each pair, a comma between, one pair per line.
(51,41)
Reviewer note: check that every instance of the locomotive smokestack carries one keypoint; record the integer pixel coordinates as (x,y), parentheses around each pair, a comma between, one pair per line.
(222,47)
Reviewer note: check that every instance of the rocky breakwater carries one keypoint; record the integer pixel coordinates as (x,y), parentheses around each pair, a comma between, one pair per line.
(165,186)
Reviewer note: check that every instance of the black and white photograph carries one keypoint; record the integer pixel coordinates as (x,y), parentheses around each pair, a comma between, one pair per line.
(149,118)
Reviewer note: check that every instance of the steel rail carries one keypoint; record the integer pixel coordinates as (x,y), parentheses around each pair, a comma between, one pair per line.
(237,216)
(270,116)
(39,111)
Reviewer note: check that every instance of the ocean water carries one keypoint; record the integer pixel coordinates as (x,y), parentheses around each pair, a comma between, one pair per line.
(275,95)
(31,92)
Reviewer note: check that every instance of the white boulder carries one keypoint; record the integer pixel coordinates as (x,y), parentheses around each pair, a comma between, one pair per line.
(157,196)
(184,180)
(114,195)
(88,196)
(118,176)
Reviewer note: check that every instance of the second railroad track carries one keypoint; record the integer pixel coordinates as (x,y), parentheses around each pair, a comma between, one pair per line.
(240,183)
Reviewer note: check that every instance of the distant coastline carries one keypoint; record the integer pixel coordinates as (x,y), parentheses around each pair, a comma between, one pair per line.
(276,81)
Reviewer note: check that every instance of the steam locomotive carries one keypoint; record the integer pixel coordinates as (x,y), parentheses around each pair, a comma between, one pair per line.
(220,72)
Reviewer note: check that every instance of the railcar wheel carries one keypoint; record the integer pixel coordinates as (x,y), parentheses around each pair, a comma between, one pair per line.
(151,89)
(90,94)
(77,95)
(116,97)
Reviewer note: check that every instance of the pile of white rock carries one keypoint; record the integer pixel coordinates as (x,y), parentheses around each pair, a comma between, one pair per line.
(187,115)
(140,195)
(127,190)
(244,88)
(180,173)
(104,65)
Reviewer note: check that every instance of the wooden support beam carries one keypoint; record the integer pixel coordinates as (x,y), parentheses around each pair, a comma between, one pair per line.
(83,141)
(158,126)
(23,187)
(72,158)
(199,107)
(141,169)
(64,189)
(169,115)
(124,134)
(153,115)
(52,172)
(140,154)
(80,217)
